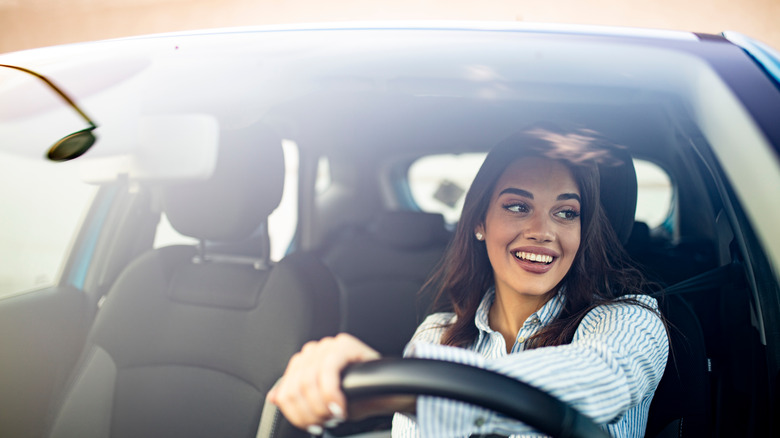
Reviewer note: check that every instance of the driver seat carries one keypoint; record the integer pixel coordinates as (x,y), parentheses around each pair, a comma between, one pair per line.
(681,400)
(191,338)
(680,403)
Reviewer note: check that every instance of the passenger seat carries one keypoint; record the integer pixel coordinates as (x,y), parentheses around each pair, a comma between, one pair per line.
(191,338)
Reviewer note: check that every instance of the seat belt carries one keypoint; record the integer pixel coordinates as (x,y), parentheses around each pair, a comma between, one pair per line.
(714,278)
(269,421)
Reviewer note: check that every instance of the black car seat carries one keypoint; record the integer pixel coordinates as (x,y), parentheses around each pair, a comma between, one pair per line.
(681,404)
(381,267)
(681,400)
(191,338)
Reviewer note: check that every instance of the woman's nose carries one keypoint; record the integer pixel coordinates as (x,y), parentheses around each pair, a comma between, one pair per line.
(539,228)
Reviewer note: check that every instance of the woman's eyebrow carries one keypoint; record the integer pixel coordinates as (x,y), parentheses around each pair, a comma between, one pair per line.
(518,192)
(567,196)
(529,195)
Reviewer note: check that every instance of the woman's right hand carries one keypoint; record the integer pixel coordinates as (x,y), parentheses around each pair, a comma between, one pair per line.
(309,393)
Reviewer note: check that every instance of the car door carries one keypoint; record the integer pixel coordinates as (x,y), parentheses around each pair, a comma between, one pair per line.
(64,242)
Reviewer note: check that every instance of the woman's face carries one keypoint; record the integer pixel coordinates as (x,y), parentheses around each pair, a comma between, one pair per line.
(532,227)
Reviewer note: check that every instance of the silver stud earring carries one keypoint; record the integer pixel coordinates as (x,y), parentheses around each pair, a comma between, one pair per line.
(479,235)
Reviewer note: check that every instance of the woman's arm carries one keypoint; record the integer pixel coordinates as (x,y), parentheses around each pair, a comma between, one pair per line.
(615,361)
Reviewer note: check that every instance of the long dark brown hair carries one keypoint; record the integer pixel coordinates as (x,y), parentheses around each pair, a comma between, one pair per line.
(601,271)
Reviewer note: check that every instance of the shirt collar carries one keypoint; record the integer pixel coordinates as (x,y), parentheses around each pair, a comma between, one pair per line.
(545,314)
(481,318)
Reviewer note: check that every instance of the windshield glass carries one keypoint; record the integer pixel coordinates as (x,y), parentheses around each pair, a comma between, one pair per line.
(43,206)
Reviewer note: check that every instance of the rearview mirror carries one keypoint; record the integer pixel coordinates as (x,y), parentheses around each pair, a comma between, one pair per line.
(72,146)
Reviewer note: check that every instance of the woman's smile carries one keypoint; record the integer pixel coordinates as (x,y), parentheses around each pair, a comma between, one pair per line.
(535,260)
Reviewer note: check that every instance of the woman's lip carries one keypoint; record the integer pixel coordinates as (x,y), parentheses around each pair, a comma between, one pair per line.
(534,267)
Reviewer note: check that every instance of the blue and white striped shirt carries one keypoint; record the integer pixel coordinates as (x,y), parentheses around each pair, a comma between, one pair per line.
(608,372)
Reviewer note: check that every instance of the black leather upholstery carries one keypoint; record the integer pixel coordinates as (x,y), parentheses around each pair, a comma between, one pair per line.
(619,194)
(381,268)
(681,403)
(245,188)
(186,345)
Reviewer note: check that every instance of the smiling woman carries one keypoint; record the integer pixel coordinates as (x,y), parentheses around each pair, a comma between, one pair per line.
(537,280)
(533,224)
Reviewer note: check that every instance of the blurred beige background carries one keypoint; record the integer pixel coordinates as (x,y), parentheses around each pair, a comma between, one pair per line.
(35,23)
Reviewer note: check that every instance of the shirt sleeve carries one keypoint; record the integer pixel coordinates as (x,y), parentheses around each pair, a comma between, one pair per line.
(616,359)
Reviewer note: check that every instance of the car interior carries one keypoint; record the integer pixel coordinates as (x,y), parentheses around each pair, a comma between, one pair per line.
(186,339)
(164,335)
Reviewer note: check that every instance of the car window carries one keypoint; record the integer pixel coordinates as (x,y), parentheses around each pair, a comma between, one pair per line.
(43,205)
(283,221)
(655,195)
(438,184)
(166,235)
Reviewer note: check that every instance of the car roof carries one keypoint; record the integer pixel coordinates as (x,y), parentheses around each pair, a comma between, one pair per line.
(518,26)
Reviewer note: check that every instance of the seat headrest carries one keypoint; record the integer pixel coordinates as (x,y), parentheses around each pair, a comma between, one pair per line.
(245,188)
(409,229)
(639,239)
(618,194)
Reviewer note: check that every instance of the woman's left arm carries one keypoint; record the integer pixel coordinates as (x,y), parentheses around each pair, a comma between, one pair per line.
(616,359)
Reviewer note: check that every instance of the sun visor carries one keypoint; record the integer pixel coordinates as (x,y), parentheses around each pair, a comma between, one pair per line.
(164,147)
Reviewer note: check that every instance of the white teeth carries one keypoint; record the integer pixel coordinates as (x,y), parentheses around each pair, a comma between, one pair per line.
(539,258)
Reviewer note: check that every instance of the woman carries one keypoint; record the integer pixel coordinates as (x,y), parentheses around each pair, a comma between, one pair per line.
(540,291)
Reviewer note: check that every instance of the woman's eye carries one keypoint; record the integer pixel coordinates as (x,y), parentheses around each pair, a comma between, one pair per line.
(568,214)
(517,208)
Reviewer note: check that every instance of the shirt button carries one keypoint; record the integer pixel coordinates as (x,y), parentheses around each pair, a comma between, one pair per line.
(521,339)
(479,422)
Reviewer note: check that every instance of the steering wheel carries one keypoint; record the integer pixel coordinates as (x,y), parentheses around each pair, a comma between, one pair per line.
(490,390)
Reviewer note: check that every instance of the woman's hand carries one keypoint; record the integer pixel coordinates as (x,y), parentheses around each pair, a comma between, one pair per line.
(309,393)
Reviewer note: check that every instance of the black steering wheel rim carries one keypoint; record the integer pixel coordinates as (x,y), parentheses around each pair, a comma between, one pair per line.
(499,393)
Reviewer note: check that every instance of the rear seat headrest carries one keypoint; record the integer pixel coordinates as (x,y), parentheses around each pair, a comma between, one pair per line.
(640,236)
(245,188)
(409,229)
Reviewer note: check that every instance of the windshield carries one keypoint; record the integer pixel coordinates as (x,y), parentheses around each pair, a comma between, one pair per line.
(43,205)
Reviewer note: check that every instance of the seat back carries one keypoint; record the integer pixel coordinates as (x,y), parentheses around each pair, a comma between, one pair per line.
(681,404)
(681,401)
(189,340)
(381,268)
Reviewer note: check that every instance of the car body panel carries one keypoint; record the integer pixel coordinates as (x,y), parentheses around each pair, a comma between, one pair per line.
(766,56)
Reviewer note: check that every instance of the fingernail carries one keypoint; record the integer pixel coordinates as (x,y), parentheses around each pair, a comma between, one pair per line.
(336,411)
(314,430)
(333,422)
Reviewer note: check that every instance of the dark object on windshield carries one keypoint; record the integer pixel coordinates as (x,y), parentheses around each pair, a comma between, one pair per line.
(73,145)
